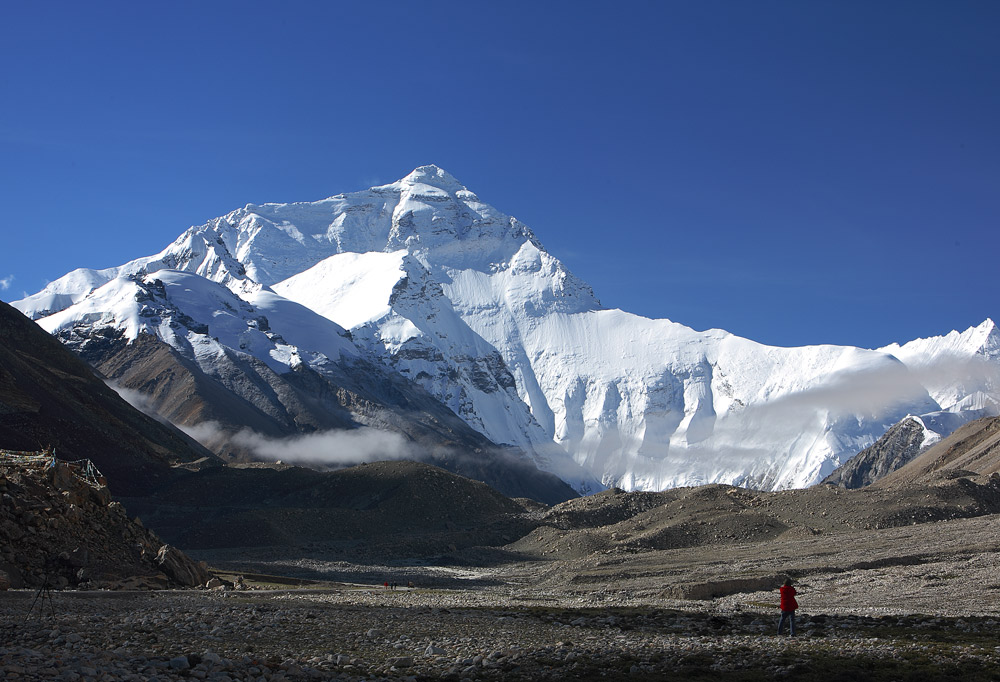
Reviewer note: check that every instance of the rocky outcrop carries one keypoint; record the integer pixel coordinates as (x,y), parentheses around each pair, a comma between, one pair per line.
(58,529)
(972,450)
(181,568)
(898,446)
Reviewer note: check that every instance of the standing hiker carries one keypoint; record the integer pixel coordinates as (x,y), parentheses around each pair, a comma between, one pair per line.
(788,606)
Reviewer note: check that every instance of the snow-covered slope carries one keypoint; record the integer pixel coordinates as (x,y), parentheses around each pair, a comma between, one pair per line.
(960,370)
(464,301)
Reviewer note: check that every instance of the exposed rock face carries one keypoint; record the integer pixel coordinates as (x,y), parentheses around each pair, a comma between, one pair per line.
(234,391)
(59,530)
(900,445)
(973,449)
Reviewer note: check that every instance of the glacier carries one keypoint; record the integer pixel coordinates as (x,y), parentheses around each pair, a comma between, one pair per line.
(465,302)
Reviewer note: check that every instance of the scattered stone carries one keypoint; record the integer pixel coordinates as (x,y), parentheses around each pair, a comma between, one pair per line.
(179,663)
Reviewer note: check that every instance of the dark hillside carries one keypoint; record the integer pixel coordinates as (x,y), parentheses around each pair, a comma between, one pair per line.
(49,397)
(248,394)
(379,510)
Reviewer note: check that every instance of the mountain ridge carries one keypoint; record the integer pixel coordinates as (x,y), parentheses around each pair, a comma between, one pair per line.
(465,302)
(51,398)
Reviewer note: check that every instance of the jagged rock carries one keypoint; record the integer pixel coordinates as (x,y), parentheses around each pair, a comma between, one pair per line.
(899,445)
(61,476)
(181,568)
(100,496)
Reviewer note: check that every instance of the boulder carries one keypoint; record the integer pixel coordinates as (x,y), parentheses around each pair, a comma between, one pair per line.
(180,568)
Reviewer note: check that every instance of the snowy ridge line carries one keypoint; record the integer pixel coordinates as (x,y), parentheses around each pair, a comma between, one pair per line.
(465,302)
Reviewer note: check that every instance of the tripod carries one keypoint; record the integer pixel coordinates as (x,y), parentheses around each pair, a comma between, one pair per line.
(44,592)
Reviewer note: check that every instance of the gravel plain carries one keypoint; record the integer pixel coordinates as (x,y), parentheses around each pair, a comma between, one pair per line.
(361,632)
(917,601)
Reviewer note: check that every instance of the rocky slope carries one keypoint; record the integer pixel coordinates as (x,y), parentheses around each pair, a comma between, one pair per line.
(897,446)
(973,449)
(57,530)
(617,521)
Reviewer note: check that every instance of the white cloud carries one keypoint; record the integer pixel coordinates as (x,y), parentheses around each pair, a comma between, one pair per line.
(349,446)
(6,282)
(138,400)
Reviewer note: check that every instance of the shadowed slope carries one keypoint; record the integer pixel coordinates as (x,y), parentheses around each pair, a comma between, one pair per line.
(49,397)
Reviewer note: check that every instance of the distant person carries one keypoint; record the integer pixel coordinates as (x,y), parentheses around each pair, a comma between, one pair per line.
(788,606)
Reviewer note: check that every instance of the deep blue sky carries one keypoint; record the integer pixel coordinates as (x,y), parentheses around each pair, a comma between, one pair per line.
(795,172)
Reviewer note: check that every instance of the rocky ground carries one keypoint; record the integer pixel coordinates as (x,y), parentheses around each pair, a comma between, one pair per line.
(59,527)
(893,584)
(920,602)
(351,632)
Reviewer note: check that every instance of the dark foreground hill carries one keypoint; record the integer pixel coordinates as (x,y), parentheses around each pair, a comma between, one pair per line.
(51,398)
(59,528)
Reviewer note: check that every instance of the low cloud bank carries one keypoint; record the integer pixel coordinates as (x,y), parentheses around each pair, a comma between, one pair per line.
(341,447)
(880,391)
(763,442)
(138,400)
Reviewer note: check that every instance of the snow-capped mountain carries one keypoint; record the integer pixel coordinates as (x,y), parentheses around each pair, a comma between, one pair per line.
(465,302)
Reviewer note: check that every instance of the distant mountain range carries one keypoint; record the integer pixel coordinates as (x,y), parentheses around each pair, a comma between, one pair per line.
(412,320)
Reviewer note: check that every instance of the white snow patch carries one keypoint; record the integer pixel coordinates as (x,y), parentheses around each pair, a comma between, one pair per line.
(350,289)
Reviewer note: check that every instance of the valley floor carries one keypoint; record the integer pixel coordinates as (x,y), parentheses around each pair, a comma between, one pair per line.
(918,602)
(355,632)
(947,568)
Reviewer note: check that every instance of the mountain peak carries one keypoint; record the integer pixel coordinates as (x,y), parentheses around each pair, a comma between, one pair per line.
(435,177)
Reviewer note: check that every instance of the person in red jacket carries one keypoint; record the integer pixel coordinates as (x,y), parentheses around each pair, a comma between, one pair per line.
(788,606)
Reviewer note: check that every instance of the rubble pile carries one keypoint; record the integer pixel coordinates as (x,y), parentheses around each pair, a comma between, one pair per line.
(60,528)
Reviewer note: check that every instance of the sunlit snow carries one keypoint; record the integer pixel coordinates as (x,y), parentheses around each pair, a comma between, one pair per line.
(466,302)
